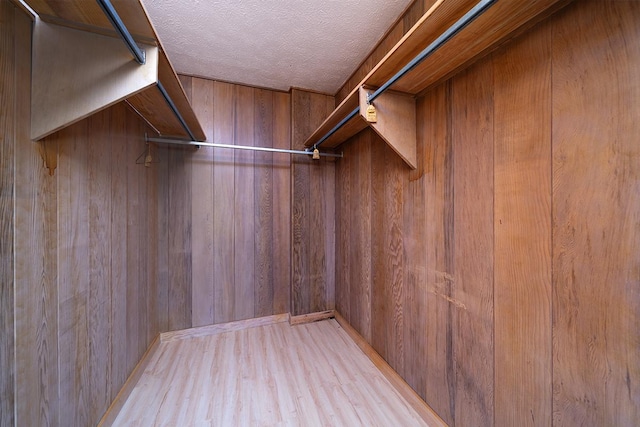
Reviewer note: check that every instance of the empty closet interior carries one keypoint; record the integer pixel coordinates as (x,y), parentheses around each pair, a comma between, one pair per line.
(468,228)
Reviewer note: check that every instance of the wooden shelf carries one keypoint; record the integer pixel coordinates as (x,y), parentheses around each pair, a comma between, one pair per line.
(501,21)
(81,91)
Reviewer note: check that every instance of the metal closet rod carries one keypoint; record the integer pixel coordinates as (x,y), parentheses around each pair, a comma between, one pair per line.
(173,107)
(460,24)
(121,29)
(139,56)
(236,147)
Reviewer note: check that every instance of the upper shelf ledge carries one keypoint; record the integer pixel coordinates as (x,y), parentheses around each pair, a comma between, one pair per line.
(500,21)
(81,67)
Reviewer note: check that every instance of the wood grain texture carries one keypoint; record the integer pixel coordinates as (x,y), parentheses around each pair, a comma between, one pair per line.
(239,204)
(522,225)
(313,211)
(202,209)
(529,150)
(223,212)
(413,399)
(596,215)
(472,286)
(433,136)
(395,122)
(99,297)
(359,257)
(83,267)
(120,399)
(387,258)
(180,229)
(281,249)
(238,325)
(263,204)
(244,200)
(8,16)
(311,374)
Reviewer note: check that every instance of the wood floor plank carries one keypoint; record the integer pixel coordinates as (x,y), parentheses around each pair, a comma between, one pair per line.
(310,374)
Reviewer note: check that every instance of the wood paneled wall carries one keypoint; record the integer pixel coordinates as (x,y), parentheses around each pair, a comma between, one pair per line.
(501,279)
(85,253)
(239,204)
(14,45)
(313,211)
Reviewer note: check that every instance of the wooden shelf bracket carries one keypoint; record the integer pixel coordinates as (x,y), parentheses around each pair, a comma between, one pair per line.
(395,122)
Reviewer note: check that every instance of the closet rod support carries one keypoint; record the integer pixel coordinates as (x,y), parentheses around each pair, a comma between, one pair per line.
(237,147)
(335,128)
(122,30)
(466,19)
(447,35)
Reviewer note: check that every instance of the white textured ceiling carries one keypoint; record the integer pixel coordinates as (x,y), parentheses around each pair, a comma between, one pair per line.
(275,44)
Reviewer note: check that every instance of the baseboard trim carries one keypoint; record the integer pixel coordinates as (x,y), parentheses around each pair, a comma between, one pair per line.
(114,409)
(311,317)
(203,331)
(415,401)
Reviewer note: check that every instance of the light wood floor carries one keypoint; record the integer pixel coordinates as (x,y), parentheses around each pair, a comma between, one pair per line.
(275,375)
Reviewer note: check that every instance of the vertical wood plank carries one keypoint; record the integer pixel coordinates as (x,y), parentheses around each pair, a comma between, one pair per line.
(162,231)
(119,272)
(300,284)
(245,227)
(73,277)
(319,190)
(472,287)
(136,141)
(179,225)
(596,215)
(415,274)
(433,129)
(343,225)
(380,296)
(393,256)
(263,208)
(360,234)
(152,232)
(133,290)
(202,209)
(7,200)
(282,204)
(36,293)
(223,212)
(523,231)
(313,211)
(99,298)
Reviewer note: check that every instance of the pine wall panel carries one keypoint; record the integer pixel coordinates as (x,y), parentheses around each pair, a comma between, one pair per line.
(504,280)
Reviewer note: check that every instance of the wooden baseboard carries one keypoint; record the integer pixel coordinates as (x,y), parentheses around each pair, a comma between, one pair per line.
(426,413)
(204,331)
(114,409)
(311,317)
